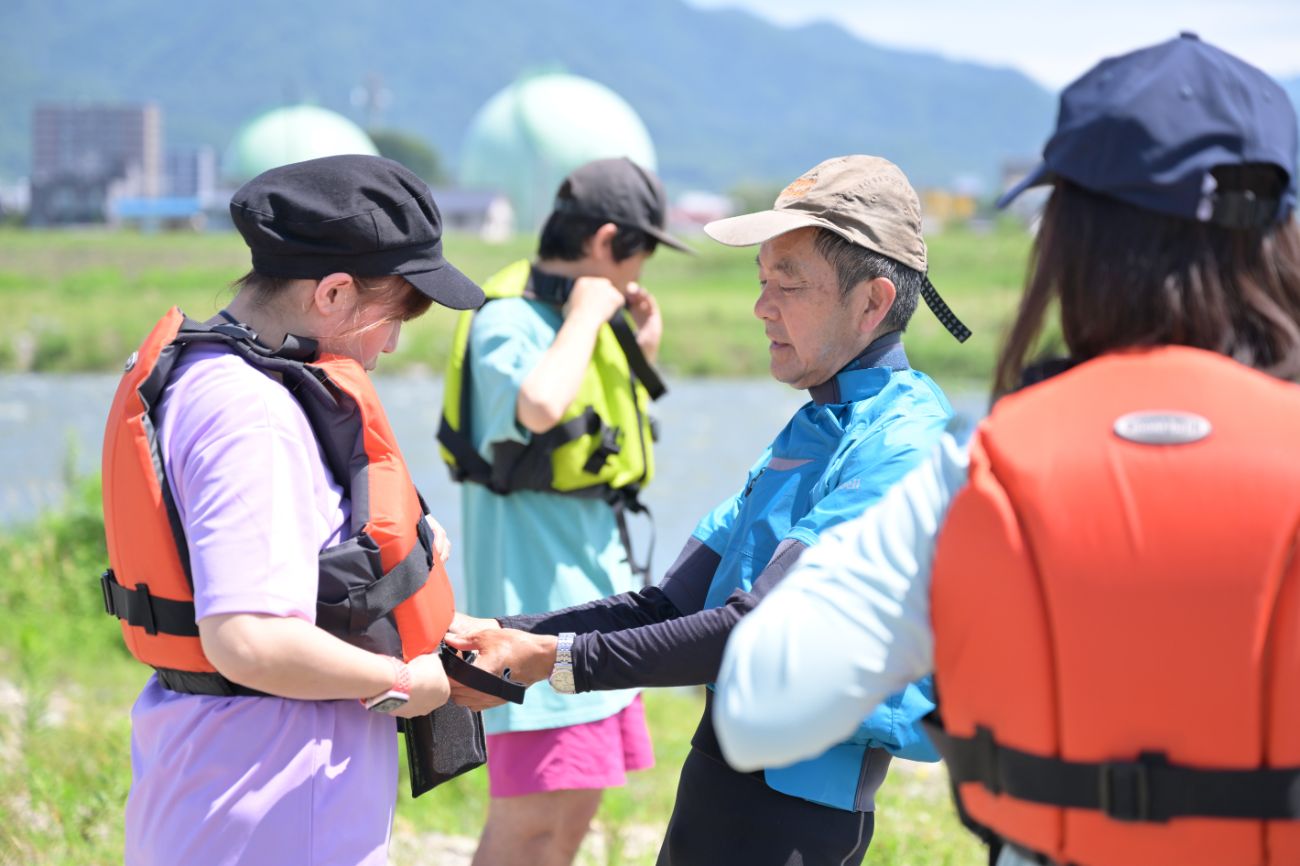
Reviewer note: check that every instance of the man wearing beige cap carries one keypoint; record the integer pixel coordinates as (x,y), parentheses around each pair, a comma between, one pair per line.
(841,265)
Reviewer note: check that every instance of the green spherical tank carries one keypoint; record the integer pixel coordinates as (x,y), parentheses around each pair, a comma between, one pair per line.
(291,134)
(527,137)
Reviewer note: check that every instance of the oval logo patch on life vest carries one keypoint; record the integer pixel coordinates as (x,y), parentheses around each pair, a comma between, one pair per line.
(1162,428)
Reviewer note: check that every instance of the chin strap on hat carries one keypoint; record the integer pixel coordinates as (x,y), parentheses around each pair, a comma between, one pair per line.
(943,312)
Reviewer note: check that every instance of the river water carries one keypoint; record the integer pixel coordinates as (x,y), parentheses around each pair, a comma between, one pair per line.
(711,430)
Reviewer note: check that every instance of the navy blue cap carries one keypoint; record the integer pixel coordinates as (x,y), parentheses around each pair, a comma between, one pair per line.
(1148,127)
(364,215)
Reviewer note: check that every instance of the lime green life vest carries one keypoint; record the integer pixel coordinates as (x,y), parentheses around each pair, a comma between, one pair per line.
(603,445)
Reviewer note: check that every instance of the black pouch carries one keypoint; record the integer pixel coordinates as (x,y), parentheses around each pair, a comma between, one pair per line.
(442,745)
(449,741)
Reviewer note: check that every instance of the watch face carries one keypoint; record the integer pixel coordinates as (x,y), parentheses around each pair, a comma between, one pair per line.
(562,681)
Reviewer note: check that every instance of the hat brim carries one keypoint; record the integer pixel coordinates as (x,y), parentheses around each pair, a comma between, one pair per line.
(1038,177)
(448,286)
(750,229)
(668,240)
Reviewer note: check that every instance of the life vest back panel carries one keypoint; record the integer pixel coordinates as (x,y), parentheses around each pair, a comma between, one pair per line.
(1097,596)
(139,518)
(382,588)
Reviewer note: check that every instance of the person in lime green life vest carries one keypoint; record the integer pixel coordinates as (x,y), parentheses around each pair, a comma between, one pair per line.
(546,421)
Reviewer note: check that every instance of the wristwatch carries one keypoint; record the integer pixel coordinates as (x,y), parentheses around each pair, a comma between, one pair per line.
(561,678)
(397,696)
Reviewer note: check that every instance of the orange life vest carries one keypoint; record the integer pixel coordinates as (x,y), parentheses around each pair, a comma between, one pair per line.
(382,588)
(1116,611)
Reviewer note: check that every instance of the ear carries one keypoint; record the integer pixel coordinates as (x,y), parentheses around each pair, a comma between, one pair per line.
(600,246)
(334,294)
(877,301)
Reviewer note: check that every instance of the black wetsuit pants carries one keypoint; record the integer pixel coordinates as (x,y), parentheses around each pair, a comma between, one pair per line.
(724,817)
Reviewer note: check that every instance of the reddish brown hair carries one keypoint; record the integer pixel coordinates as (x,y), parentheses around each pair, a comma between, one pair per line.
(395,293)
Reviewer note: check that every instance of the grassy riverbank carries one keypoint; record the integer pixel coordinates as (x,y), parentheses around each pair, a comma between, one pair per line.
(82,300)
(67,683)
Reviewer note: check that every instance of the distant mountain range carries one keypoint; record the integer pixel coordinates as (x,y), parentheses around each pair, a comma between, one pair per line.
(727,97)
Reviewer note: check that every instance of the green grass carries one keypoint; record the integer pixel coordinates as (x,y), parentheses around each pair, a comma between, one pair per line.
(67,685)
(82,300)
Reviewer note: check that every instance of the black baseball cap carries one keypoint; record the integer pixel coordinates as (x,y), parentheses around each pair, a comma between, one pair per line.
(1150,127)
(364,215)
(618,191)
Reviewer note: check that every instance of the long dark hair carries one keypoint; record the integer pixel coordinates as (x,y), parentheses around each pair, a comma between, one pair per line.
(1123,277)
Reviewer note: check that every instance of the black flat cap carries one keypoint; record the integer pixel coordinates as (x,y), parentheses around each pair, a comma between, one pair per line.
(364,215)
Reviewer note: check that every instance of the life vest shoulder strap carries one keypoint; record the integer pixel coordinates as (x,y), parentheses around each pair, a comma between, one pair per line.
(639,364)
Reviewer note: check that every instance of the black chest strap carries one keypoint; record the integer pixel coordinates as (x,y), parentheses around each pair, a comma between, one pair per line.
(1149,789)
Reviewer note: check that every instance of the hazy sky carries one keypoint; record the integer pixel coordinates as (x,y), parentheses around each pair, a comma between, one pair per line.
(1053,42)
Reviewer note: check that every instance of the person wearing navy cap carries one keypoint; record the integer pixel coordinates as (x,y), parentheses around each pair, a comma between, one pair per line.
(1102,575)
(270,739)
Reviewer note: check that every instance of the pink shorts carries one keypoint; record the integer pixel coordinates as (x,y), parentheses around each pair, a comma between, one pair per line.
(593,755)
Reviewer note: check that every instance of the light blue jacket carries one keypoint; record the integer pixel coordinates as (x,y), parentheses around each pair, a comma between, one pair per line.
(865,589)
(832,460)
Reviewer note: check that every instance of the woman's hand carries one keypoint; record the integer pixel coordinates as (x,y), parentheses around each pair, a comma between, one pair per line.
(429,687)
(441,543)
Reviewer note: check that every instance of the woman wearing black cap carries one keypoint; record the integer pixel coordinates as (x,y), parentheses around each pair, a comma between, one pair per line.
(270,555)
(1102,576)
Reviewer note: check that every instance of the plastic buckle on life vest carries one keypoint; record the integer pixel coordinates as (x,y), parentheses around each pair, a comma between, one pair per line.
(986,759)
(607,448)
(144,606)
(1124,790)
(106,582)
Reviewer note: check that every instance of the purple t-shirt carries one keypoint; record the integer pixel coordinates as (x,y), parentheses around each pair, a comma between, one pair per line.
(253,779)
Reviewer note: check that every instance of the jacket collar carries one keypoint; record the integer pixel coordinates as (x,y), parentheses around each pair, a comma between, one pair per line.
(856,380)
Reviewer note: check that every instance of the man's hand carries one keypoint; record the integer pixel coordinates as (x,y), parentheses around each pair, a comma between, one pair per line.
(429,687)
(465,625)
(441,543)
(596,297)
(525,658)
(649,324)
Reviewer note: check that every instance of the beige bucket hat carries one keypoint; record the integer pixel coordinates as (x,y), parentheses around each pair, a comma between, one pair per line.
(867,200)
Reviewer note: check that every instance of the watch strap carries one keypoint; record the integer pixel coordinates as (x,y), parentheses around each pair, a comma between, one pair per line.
(401,680)
(401,676)
(564,648)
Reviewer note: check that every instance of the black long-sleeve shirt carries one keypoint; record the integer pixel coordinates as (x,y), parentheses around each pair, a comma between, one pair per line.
(661,635)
